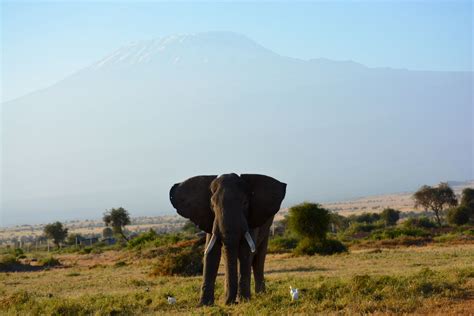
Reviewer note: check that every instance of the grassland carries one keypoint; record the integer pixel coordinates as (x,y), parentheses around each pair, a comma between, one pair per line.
(429,279)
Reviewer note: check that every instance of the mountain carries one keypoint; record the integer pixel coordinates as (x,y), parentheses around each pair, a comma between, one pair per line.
(123,130)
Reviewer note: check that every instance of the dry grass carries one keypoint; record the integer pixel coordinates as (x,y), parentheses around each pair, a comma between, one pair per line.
(376,280)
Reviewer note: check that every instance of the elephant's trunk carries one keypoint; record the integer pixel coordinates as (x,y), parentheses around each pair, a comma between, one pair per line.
(231,276)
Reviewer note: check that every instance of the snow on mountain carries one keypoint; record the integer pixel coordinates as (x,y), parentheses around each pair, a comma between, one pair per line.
(202,47)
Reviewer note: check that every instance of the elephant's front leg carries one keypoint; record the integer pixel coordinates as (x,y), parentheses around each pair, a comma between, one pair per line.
(258,261)
(245,263)
(211,265)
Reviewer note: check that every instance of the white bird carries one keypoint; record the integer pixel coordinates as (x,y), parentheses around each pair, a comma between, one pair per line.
(171,300)
(294,294)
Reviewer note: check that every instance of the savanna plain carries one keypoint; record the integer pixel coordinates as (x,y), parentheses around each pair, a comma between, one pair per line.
(432,279)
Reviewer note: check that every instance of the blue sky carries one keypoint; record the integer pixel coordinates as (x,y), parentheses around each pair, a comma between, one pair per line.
(44,42)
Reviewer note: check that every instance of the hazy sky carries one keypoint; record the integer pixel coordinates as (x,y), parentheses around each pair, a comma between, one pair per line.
(44,42)
(121,136)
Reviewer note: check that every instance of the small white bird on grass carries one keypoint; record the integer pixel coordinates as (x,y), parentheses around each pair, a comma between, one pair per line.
(294,294)
(171,300)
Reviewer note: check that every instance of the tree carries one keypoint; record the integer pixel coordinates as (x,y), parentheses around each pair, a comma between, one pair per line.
(435,199)
(309,220)
(107,232)
(117,218)
(56,232)
(467,198)
(390,216)
(459,215)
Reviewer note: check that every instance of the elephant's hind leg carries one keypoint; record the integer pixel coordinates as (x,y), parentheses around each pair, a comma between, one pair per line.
(211,265)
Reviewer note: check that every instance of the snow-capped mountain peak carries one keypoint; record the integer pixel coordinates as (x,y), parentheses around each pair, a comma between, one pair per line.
(174,49)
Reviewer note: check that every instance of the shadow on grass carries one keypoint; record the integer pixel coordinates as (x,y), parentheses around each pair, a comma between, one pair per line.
(21,267)
(295,269)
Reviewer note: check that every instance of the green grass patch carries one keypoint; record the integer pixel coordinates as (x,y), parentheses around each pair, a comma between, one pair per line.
(360,293)
(49,262)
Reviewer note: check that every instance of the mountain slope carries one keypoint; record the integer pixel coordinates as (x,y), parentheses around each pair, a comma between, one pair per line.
(121,131)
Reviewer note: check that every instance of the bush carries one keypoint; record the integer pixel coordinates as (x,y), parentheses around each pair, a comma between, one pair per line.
(467,198)
(390,216)
(184,258)
(86,250)
(309,220)
(152,239)
(49,262)
(142,239)
(420,222)
(391,233)
(365,218)
(282,244)
(357,227)
(18,252)
(459,215)
(339,222)
(310,247)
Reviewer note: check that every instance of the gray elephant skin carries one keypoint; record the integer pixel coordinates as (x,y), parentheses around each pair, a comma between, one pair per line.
(236,212)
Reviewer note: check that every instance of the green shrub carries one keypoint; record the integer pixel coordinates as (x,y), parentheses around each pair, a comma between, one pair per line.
(357,227)
(310,247)
(152,239)
(49,262)
(459,215)
(142,239)
(390,216)
(184,258)
(18,252)
(309,220)
(86,250)
(282,244)
(467,198)
(339,222)
(391,233)
(420,222)
(365,218)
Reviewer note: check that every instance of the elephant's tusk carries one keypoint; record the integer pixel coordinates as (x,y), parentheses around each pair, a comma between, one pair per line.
(210,244)
(250,242)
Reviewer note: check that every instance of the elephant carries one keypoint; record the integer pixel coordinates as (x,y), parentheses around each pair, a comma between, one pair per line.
(236,213)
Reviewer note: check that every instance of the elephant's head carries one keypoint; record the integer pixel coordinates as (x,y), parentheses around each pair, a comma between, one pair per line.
(229,207)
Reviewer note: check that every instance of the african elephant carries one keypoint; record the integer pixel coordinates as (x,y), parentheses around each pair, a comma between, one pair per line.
(236,212)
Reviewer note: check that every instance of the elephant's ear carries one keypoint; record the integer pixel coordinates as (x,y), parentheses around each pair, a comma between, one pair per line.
(266,195)
(192,199)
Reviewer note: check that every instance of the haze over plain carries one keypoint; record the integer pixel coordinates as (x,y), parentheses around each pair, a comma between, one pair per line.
(123,129)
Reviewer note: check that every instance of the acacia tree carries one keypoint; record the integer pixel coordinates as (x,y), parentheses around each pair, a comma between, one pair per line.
(435,198)
(56,232)
(117,218)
